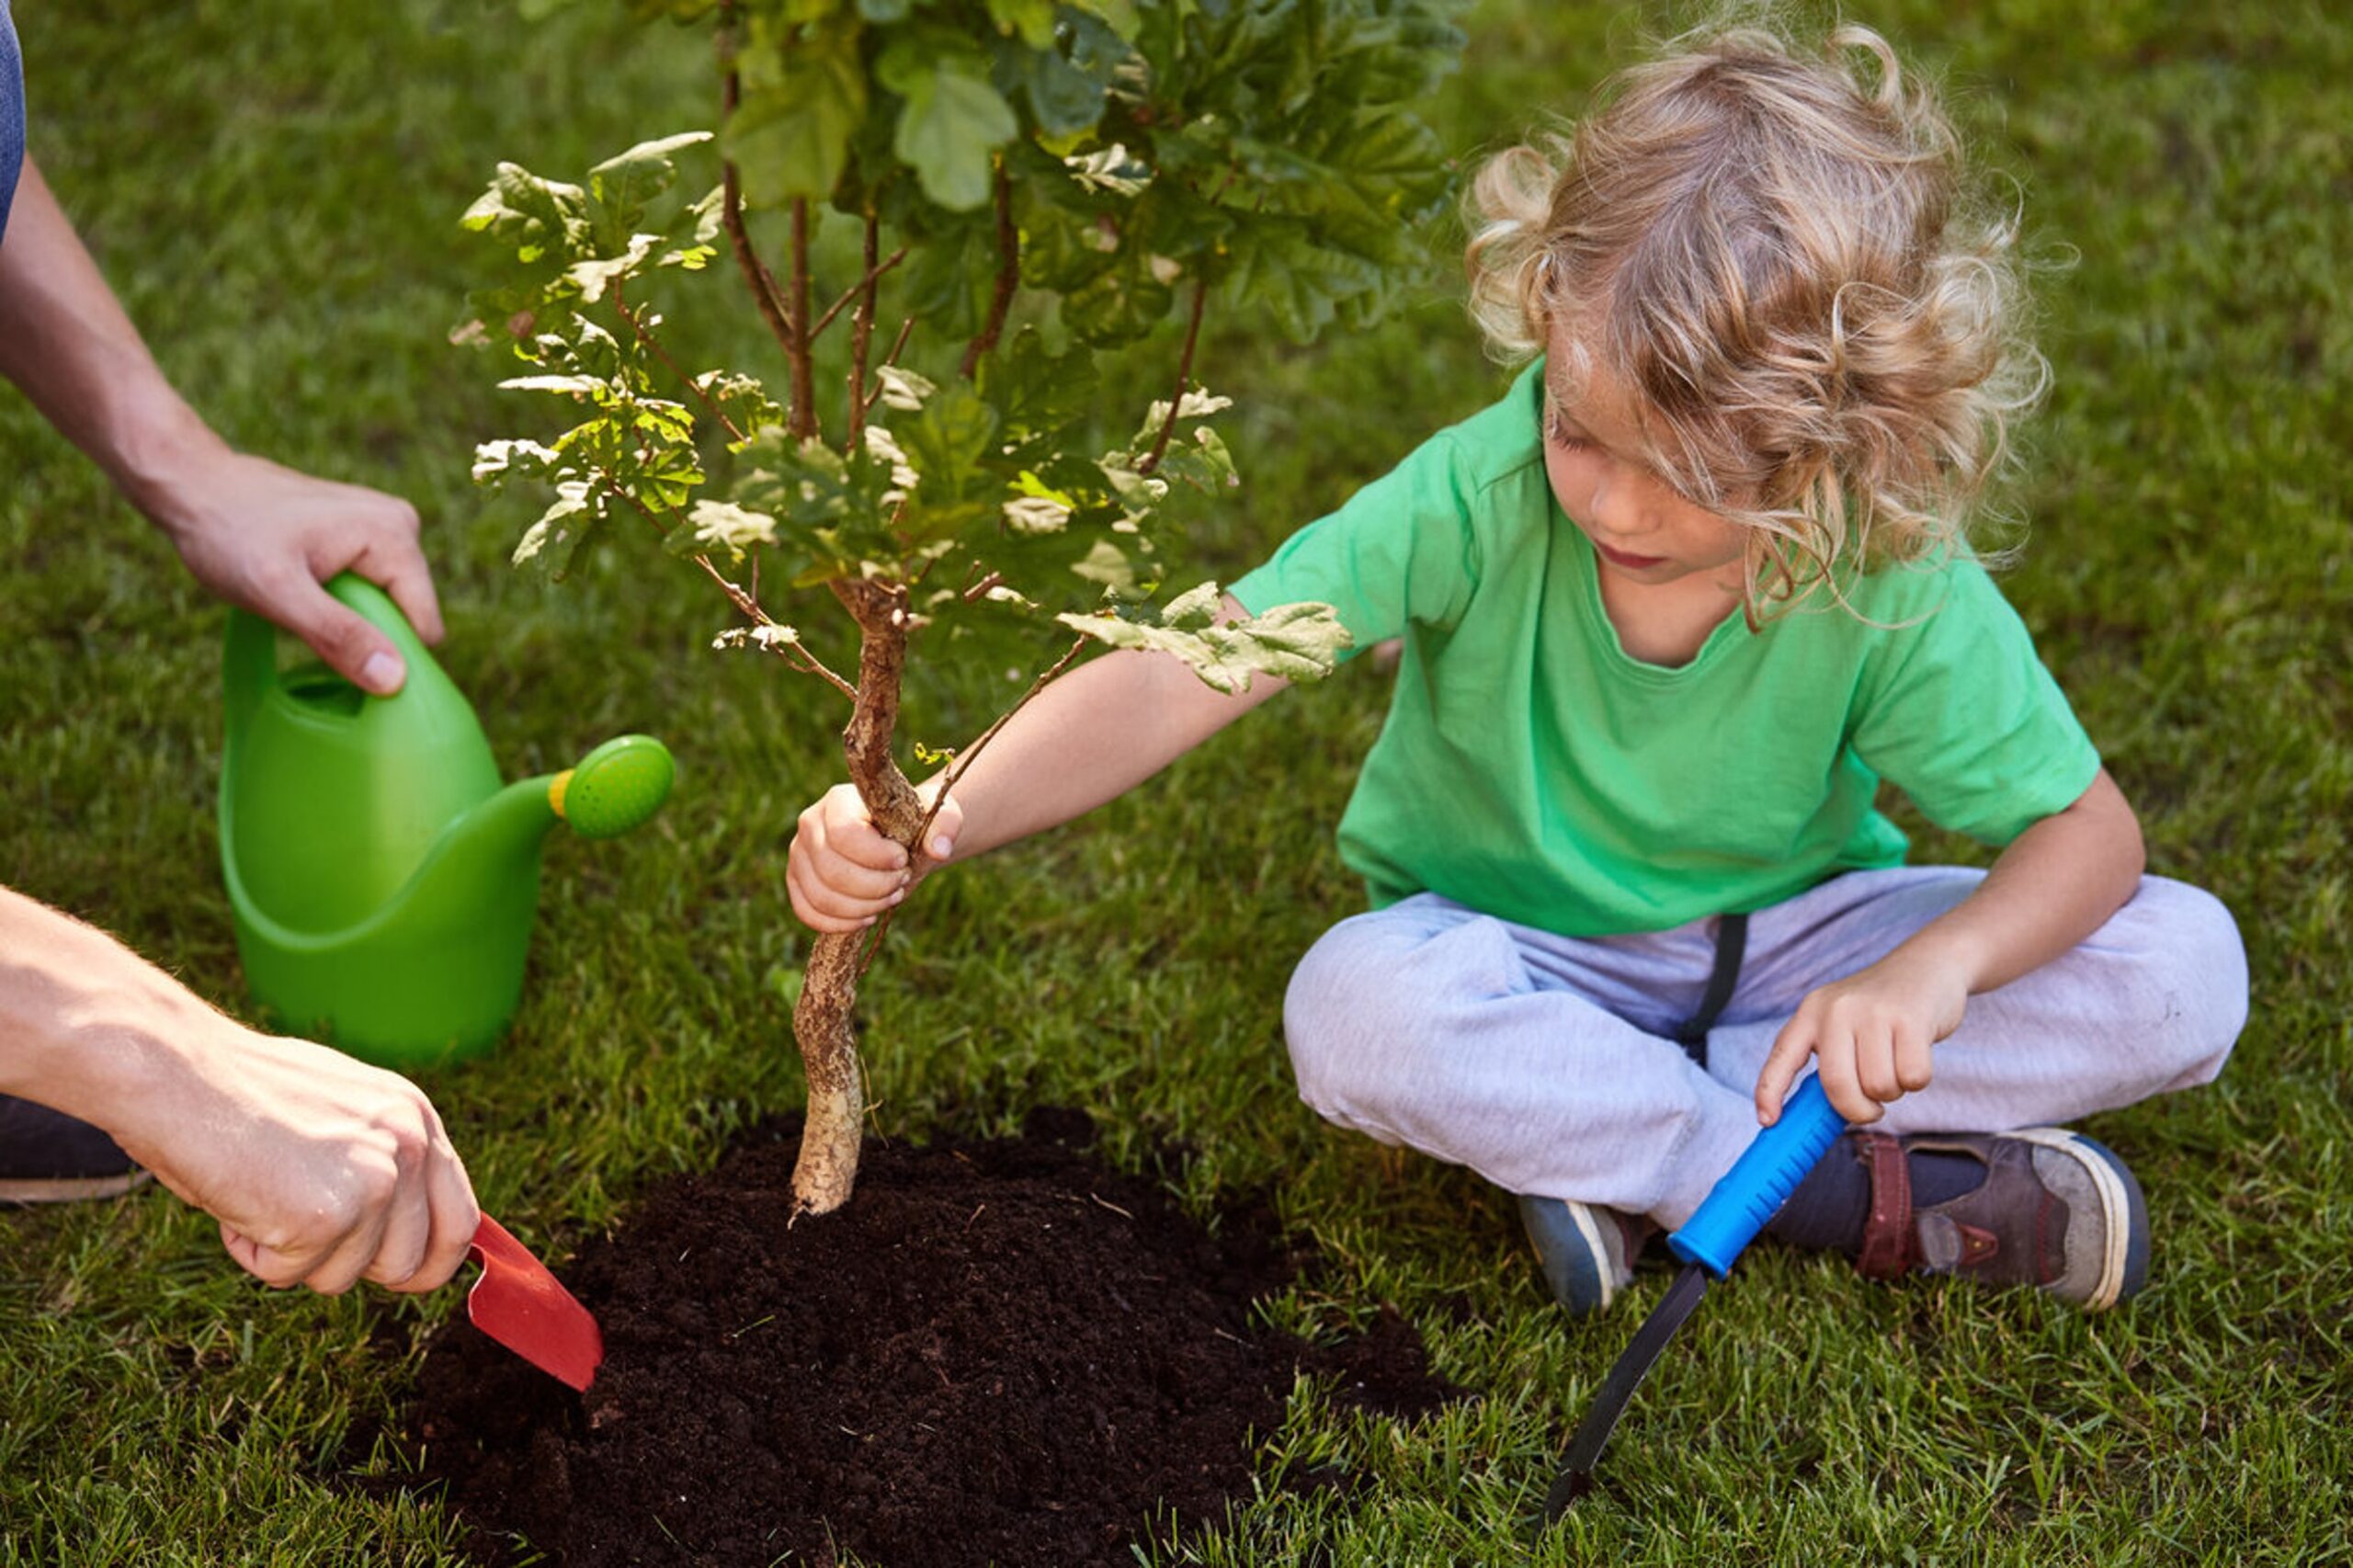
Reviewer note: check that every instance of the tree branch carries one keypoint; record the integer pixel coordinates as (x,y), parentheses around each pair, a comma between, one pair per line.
(900,343)
(621,307)
(731,210)
(861,332)
(874,271)
(804,388)
(1009,275)
(1184,373)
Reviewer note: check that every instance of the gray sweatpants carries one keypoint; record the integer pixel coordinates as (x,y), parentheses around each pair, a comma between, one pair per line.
(1547,1064)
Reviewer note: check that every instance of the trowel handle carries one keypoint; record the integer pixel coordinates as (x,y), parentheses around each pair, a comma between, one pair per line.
(1760,1181)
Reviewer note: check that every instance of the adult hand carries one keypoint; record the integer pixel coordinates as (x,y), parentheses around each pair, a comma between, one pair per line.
(322,1171)
(265,538)
(1870,1035)
(843,872)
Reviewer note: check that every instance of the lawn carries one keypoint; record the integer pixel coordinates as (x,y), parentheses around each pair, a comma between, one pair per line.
(273,189)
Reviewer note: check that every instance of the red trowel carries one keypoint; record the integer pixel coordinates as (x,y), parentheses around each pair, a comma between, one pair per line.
(517,1303)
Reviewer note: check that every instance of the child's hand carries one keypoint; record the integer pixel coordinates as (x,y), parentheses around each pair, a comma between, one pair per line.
(844,872)
(1869,1034)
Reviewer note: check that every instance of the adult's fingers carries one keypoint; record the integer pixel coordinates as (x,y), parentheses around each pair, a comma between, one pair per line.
(397,566)
(408,1230)
(280,1270)
(348,1264)
(455,1216)
(355,650)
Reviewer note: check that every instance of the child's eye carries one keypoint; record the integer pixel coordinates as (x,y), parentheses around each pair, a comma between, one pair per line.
(1560,433)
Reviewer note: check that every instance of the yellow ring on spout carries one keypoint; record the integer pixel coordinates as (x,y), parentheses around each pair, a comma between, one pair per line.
(556,787)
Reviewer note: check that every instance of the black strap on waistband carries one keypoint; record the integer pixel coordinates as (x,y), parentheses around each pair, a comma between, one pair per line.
(1732,944)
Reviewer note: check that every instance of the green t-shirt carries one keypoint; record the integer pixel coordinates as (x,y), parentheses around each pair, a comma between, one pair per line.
(1531,768)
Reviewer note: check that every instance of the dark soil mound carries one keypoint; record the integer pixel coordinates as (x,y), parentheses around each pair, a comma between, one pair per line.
(997,1354)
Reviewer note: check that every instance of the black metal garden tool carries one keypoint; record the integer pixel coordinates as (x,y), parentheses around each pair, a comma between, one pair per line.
(1736,1210)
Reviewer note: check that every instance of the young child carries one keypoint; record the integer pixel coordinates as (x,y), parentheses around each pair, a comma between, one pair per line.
(1670,612)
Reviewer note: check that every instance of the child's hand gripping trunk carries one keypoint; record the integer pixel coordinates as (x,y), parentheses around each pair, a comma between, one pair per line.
(1759,1182)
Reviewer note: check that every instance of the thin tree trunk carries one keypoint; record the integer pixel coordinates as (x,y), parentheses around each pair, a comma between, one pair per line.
(827,1169)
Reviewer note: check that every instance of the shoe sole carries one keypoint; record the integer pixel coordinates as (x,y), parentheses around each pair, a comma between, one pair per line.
(1585,1266)
(2109,1179)
(69,1189)
(1591,1231)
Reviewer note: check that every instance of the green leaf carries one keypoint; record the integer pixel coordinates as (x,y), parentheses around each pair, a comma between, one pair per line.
(951,123)
(594,275)
(1033,20)
(1292,642)
(1036,391)
(1276,266)
(721,526)
(948,439)
(581,388)
(1065,99)
(549,545)
(1108,564)
(497,462)
(622,185)
(742,398)
(790,137)
(1205,464)
(1120,16)
(1119,307)
(534,215)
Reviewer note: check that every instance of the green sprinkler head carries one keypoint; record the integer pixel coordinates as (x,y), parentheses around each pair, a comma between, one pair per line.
(615,787)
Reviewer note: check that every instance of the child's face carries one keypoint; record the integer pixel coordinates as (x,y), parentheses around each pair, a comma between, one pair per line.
(1642,529)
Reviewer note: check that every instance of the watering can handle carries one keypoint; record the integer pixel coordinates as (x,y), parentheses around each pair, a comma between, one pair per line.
(250,659)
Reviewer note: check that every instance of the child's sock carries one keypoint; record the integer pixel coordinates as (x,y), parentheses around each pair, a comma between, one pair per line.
(1827,1210)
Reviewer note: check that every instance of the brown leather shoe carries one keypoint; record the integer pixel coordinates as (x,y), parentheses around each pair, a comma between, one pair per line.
(2056,1211)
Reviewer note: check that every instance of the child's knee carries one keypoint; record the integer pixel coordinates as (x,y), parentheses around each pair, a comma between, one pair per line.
(2192,981)
(1363,1006)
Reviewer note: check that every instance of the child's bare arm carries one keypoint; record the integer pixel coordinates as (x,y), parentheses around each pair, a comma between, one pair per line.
(1091,736)
(1872,1032)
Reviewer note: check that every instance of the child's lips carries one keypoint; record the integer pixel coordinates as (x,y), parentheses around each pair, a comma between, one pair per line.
(1630,562)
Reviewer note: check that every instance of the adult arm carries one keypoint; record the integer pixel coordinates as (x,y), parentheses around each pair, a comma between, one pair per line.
(1089,737)
(1873,1032)
(256,534)
(321,1170)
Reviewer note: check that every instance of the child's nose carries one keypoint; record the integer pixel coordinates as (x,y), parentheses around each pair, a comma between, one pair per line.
(1617,508)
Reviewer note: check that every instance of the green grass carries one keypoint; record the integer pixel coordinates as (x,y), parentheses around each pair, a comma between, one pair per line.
(272,188)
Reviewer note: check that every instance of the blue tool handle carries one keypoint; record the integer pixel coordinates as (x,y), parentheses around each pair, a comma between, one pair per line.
(1759,1181)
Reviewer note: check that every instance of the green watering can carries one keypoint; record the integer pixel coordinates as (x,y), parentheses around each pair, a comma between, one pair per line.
(382,881)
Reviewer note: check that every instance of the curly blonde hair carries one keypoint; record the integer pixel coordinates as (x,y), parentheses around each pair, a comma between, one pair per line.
(1822,324)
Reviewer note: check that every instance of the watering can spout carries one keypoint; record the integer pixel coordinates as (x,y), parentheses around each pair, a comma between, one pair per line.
(478,861)
(383,882)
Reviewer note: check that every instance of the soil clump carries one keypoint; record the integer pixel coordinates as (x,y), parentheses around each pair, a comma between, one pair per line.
(999,1353)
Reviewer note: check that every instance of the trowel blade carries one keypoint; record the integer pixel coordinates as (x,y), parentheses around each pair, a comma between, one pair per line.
(1593,1433)
(517,1303)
